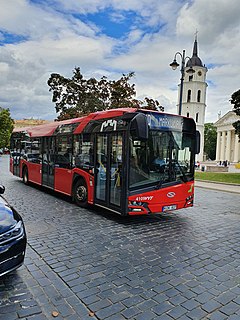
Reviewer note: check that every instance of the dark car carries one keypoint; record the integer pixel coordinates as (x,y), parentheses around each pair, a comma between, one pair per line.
(12,237)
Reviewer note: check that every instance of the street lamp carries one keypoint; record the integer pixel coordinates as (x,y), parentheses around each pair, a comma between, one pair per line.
(190,71)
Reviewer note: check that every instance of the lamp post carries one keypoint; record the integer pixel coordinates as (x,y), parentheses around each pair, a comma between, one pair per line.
(190,71)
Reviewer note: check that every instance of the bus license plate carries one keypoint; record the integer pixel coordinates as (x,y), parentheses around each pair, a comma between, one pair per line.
(169,208)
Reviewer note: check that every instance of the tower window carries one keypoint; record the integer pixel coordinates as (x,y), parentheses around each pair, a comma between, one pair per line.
(198,95)
(188,114)
(190,78)
(197,114)
(189,96)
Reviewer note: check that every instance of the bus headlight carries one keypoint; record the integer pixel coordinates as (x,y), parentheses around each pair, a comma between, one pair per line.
(138,207)
(189,201)
(135,203)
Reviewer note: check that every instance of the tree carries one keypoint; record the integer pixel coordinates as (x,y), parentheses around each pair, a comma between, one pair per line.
(235,100)
(6,127)
(210,140)
(78,96)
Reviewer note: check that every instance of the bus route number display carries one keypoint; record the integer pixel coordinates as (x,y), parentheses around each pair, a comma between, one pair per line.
(159,121)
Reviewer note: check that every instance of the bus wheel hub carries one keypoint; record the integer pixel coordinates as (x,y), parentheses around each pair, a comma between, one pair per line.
(81,193)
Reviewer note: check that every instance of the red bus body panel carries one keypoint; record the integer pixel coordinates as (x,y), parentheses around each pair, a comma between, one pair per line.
(34,172)
(180,196)
(11,165)
(63,180)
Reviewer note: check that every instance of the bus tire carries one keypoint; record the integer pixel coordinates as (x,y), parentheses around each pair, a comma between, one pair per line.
(25,176)
(81,193)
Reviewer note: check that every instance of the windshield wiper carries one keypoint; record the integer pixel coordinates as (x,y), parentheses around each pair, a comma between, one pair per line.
(165,177)
(159,185)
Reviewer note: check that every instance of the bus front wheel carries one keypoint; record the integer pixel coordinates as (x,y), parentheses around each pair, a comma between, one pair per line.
(81,193)
(25,176)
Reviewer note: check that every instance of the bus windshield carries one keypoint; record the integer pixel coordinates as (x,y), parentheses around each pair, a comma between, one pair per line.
(166,157)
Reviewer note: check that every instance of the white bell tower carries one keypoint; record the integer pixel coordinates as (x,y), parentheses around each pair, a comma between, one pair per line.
(194,94)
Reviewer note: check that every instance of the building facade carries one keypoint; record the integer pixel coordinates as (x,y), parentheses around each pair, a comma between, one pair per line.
(194,94)
(228,145)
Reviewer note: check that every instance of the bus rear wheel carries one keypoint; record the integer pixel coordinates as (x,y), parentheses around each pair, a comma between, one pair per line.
(81,194)
(25,176)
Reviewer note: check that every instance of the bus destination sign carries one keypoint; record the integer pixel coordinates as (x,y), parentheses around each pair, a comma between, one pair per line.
(164,121)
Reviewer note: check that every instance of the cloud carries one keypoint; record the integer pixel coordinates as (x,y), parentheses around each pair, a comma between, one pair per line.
(45,36)
(35,22)
(215,20)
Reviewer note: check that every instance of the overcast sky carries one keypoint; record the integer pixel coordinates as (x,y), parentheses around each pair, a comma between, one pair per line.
(111,37)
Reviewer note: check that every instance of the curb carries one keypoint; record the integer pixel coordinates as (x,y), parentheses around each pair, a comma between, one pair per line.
(217,182)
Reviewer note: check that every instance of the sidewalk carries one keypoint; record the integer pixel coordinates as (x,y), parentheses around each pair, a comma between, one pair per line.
(218,186)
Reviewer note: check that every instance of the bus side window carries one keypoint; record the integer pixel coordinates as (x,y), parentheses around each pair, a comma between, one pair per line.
(63,157)
(83,151)
(31,150)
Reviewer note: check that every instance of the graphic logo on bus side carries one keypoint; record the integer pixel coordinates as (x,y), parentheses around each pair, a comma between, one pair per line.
(171,194)
(109,123)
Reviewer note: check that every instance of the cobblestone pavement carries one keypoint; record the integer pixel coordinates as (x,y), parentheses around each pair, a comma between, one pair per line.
(90,264)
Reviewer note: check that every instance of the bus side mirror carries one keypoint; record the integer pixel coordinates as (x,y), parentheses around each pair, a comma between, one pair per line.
(140,124)
(197,146)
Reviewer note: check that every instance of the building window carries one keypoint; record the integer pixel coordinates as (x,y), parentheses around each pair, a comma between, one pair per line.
(198,95)
(197,117)
(188,114)
(191,78)
(189,96)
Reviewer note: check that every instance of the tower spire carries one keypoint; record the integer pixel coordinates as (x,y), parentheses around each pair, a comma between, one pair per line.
(195,60)
(195,47)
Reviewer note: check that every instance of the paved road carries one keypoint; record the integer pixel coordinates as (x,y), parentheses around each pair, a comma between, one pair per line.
(91,264)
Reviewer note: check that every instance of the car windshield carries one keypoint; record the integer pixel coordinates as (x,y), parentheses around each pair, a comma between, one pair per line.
(166,157)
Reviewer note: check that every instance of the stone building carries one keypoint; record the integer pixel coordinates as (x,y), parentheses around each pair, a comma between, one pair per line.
(228,145)
(194,94)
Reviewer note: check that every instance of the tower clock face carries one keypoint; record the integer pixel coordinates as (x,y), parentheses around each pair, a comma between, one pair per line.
(199,73)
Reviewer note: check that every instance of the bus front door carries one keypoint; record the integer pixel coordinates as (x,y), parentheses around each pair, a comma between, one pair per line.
(109,180)
(48,162)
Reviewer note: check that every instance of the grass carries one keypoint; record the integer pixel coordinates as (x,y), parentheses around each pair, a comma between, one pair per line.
(224,177)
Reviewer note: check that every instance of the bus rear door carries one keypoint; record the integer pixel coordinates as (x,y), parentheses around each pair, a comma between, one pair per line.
(15,163)
(48,162)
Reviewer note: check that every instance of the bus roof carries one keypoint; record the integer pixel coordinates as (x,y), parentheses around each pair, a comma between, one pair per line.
(103,115)
(45,129)
(48,129)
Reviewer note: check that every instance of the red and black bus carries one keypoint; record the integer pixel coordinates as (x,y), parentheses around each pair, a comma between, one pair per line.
(131,161)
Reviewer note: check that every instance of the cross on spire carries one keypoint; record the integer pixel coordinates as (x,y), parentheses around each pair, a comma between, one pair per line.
(196,34)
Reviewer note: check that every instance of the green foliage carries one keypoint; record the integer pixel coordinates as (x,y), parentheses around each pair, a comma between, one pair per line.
(6,127)
(78,96)
(235,100)
(210,140)
(236,126)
